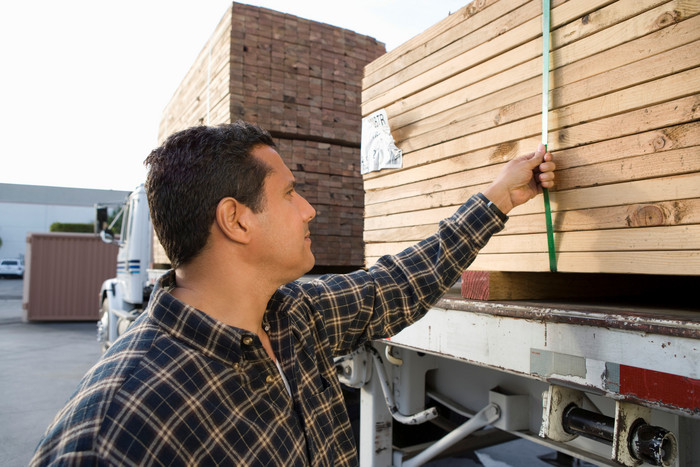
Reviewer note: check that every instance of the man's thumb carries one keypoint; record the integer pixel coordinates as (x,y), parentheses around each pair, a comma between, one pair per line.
(538,156)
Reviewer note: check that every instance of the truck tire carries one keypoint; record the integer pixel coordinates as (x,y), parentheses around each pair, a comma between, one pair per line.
(104,325)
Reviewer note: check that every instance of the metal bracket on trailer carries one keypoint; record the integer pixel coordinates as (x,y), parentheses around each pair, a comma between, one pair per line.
(355,370)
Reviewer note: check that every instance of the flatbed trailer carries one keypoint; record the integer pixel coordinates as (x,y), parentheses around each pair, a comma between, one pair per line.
(579,378)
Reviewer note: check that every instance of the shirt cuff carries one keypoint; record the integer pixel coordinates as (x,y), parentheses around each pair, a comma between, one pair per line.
(490,205)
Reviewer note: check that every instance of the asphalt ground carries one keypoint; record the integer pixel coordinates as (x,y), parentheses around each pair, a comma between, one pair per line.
(42,363)
(40,366)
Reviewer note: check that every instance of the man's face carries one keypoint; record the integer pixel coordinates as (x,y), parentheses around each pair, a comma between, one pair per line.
(284,240)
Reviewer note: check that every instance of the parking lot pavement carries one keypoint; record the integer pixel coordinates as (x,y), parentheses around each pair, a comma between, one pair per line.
(40,366)
(10,299)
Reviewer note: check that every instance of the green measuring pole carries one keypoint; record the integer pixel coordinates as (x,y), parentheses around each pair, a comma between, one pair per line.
(546,8)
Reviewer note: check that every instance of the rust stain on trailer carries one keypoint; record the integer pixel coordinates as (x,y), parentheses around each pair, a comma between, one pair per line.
(382,432)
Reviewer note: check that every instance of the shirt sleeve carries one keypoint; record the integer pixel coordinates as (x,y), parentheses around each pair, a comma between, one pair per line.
(400,289)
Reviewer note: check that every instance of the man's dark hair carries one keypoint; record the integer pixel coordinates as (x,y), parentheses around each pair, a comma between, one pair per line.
(191,172)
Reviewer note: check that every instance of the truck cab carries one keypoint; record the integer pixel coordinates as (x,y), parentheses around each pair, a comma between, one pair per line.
(123,297)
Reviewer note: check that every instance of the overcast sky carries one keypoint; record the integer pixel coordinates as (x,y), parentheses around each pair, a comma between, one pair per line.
(83,82)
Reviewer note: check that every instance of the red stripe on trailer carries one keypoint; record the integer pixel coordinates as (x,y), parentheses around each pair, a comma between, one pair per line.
(668,389)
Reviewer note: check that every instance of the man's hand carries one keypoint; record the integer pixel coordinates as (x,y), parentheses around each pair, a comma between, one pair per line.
(522,179)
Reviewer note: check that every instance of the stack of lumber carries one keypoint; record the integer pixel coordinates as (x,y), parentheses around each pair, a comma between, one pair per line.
(465,96)
(300,80)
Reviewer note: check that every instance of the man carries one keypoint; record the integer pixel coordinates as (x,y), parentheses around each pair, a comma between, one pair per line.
(230,366)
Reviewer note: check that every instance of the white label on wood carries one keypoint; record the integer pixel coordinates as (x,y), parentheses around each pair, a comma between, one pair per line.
(378,148)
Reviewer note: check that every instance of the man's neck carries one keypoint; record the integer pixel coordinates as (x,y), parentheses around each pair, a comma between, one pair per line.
(235,299)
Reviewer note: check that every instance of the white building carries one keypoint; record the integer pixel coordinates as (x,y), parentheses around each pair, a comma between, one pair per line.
(32,208)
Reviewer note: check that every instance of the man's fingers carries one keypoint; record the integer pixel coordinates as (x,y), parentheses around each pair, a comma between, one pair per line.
(546,175)
(547,166)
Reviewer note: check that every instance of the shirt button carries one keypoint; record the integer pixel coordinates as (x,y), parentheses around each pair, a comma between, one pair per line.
(247,340)
(236,366)
(269,379)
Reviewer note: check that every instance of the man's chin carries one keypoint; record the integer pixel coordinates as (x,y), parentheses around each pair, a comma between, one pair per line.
(303,271)
(310,266)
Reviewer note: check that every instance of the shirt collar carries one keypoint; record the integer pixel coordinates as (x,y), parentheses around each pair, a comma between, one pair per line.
(192,326)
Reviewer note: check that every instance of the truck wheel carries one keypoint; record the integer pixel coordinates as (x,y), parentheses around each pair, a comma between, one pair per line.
(104,325)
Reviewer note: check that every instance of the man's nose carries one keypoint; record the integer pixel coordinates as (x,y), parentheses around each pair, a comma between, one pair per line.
(309,211)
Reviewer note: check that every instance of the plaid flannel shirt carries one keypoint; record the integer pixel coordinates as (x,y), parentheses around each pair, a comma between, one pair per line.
(180,388)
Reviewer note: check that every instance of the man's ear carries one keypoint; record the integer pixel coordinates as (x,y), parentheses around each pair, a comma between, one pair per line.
(233,218)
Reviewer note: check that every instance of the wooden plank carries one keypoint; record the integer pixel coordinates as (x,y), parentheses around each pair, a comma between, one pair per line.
(632,262)
(424,202)
(660,164)
(631,98)
(478,176)
(501,33)
(628,262)
(629,123)
(674,36)
(491,285)
(459,163)
(639,144)
(574,209)
(482,175)
(642,191)
(599,18)
(494,21)
(466,15)
(471,17)
(431,71)
(506,69)
(522,219)
(666,238)
(569,165)
(480,95)
(645,23)
(523,99)
(633,28)
(677,212)
(646,212)
(636,167)
(414,233)
(467,86)
(683,31)
(658,116)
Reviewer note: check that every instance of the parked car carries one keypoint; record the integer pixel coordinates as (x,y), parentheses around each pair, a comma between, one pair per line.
(11,267)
